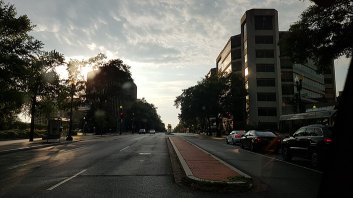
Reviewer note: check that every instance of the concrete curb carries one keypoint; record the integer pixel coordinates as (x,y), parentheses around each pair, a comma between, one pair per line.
(240,184)
(41,145)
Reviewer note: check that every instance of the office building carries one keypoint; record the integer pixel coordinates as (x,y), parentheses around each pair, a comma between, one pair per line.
(271,81)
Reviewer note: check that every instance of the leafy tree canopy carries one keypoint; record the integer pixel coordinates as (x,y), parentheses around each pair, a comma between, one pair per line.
(323,33)
(17,49)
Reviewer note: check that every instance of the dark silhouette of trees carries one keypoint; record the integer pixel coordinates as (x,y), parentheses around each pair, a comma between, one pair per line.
(27,73)
(143,115)
(17,49)
(108,89)
(323,33)
(206,101)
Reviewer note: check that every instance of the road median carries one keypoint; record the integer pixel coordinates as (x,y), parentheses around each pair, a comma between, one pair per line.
(207,172)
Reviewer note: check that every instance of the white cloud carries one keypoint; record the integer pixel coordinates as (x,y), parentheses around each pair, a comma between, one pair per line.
(92,46)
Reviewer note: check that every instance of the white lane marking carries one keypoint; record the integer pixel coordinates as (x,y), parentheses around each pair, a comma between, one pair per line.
(144,153)
(124,148)
(66,180)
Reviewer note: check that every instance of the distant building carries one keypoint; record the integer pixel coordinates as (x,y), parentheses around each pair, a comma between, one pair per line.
(316,89)
(254,60)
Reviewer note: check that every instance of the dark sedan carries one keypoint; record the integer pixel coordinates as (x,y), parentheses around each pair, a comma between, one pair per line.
(311,142)
(260,141)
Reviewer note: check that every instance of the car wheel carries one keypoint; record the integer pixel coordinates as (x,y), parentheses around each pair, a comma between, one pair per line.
(242,145)
(227,141)
(315,159)
(252,147)
(286,154)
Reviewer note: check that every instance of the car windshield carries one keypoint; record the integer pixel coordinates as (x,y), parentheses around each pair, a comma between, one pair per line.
(265,134)
(152,98)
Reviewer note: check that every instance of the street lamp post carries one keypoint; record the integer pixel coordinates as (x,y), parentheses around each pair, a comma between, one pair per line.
(132,123)
(121,114)
(84,126)
(299,84)
(69,137)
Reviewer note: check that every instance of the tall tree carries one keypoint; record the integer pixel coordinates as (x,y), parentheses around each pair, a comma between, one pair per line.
(40,80)
(143,115)
(76,84)
(108,89)
(203,101)
(17,49)
(323,33)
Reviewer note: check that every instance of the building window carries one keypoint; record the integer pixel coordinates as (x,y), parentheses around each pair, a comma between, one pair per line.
(263,22)
(245,31)
(328,80)
(247,103)
(286,63)
(265,68)
(246,71)
(267,111)
(329,90)
(265,53)
(246,58)
(237,66)
(286,76)
(327,71)
(265,82)
(247,85)
(287,89)
(267,125)
(236,54)
(266,96)
(263,39)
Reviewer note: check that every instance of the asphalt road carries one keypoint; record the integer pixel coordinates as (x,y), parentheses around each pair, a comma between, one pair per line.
(272,176)
(113,166)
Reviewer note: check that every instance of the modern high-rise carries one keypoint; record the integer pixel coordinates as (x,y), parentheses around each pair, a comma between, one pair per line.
(254,60)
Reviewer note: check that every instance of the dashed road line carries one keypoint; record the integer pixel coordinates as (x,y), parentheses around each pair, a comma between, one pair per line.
(66,180)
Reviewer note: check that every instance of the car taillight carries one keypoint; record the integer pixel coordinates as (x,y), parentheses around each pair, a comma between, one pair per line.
(257,139)
(327,140)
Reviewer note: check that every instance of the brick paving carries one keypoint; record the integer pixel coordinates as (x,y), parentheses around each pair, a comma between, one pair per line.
(203,165)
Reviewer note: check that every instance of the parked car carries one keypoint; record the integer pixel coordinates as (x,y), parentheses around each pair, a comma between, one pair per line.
(234,137)
(142,131)
(260,140)
(311,142)
(152,131)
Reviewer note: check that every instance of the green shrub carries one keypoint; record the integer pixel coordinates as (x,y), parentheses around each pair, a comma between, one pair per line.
(20,134)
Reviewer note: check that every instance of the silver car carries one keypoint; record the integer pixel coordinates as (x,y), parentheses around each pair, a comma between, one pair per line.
(234,137)
(152,131)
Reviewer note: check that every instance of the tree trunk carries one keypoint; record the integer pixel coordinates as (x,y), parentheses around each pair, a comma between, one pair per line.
(33,110)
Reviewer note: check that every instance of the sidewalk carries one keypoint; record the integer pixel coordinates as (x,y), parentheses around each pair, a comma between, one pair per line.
(9,146)
(204,170)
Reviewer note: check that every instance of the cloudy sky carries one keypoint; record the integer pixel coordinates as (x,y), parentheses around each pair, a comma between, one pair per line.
(169,44)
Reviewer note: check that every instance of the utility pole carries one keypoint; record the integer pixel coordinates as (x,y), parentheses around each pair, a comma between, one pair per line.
(69,137)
